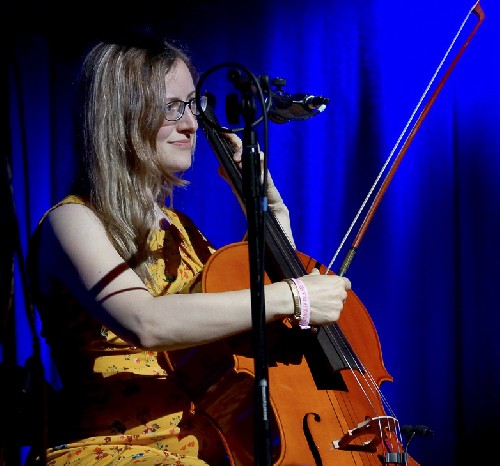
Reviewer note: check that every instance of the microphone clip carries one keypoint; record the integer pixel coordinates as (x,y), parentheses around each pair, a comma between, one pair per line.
(297,107)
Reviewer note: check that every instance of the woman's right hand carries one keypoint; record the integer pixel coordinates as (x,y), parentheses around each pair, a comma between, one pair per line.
(327,295)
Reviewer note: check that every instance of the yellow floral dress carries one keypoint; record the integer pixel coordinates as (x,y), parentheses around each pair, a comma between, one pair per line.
(120,405)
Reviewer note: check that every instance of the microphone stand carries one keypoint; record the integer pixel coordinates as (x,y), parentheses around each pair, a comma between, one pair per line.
(280,108)
(255,198)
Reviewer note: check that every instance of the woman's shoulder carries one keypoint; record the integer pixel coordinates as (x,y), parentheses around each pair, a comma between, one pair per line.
(73,215)
(68,200)
(71,199)
(69,221)
(64,228)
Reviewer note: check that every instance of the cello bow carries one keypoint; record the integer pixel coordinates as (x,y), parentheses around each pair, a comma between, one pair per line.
(479,12)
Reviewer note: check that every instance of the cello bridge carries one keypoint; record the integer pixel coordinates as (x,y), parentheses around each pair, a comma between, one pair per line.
(374,430)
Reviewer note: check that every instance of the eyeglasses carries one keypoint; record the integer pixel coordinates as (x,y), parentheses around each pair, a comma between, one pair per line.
(175,110)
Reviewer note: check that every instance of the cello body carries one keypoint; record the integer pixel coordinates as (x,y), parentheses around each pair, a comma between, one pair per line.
(321,415)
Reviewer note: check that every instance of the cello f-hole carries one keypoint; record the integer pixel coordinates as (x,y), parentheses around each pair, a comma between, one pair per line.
(310,440)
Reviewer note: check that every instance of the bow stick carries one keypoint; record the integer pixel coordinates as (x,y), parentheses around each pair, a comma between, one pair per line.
(476,9)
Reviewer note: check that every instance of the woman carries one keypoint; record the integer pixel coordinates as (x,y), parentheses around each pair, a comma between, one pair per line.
(116,274)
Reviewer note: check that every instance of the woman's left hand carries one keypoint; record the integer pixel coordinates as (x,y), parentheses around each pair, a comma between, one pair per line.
(274,200)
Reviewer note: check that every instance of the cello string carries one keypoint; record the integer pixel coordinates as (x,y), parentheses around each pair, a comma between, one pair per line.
(375,390)
(400,138)
(362,369)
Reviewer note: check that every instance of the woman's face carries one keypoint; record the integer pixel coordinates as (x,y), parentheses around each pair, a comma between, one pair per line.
(176,139)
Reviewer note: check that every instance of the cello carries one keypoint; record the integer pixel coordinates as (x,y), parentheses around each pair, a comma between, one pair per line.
(327,408)
(326,405)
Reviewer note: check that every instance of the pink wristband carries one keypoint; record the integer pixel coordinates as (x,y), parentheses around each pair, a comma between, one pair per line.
(305,304)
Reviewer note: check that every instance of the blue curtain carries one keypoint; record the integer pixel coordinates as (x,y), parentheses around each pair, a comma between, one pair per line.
(427,266)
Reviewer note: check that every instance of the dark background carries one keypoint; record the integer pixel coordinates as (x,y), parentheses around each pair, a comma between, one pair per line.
(427,268)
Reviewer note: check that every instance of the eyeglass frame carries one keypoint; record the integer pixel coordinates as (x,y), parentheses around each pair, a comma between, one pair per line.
(189,103)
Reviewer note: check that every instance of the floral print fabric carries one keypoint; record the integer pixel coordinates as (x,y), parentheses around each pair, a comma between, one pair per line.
(120,405)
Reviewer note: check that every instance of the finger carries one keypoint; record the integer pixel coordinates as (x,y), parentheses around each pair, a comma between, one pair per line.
(314,271)
(347,283)
(237,144)
(238,153)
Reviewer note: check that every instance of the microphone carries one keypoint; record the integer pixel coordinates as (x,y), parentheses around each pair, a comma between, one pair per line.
(420,430)
(423,430)
(409,432)
(283,107)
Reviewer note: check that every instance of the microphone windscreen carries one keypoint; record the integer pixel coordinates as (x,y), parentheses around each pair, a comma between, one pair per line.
(423,430)
(407,430)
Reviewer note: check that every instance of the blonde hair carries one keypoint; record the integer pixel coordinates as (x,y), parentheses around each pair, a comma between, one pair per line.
(122,109)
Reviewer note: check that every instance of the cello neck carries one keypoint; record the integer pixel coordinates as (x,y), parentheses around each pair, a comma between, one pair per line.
(281,258)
